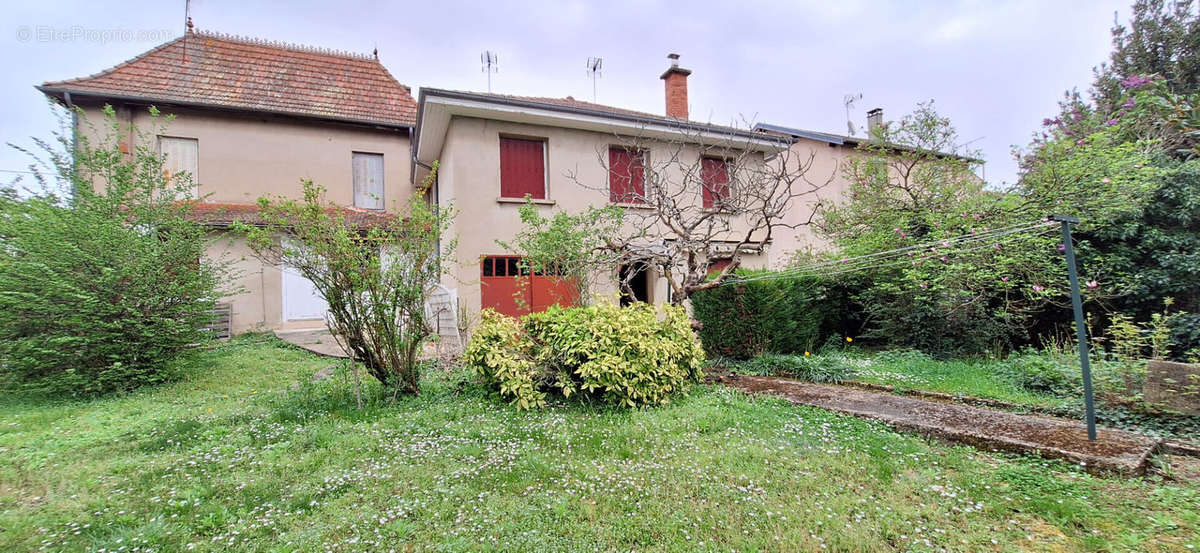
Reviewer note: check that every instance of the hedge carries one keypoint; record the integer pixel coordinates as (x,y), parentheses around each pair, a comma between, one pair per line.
(745,319)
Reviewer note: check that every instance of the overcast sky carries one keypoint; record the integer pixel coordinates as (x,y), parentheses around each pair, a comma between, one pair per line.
(995,68)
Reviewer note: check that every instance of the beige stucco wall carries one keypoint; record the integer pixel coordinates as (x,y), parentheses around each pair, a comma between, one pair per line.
(244,157)
(469,176)
(824,177)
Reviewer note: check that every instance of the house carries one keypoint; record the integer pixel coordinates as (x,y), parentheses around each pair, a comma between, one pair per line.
(253,118)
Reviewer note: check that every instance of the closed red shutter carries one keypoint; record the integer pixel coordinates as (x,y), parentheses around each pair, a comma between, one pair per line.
(714,173)
(626,176)
(522,168)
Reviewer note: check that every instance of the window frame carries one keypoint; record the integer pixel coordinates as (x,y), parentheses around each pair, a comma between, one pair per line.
(708,199)
(644,154)
(381,199)
(545,142)
(195,174)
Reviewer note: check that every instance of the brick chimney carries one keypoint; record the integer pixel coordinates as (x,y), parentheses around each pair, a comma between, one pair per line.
(675,79)
(874,120)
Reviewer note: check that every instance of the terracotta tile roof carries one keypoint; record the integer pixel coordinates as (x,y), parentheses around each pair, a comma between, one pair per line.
(224,215)
(571,102)
(249,74)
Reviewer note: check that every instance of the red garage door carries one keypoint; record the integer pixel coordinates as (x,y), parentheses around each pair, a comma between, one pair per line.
(510,290)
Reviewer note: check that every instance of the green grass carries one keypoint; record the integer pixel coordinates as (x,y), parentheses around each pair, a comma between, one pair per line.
(984,378)
(233,459)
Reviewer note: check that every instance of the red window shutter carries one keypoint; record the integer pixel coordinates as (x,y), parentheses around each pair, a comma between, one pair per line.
(626,176)
(522,168)
(714,173)
(718,265)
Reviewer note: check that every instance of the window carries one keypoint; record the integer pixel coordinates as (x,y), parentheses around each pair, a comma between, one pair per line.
(626,176)
(522,168)
(368,180)
(499,266)
(181,155)
(714,174)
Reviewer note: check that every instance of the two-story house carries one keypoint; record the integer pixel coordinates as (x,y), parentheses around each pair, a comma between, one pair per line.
(254,118)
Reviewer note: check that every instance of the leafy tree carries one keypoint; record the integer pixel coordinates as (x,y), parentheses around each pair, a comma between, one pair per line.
(375,280)
(955,282)
(104,279)
(1162,38)
(572,246)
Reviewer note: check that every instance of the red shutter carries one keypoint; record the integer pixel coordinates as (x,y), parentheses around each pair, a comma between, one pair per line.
(718,265)
(714,173)
(522,168)
(626,176)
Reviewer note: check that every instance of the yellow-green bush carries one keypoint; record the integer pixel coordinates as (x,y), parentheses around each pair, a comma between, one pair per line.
(625,356)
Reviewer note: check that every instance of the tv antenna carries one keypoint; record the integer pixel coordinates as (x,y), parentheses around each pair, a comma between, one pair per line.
(491,64)
(849,100)
(593,68)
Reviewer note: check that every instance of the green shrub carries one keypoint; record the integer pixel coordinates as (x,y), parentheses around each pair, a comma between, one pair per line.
(744,319)
(1042,374)
(813,368)
(104,280)
(624,356)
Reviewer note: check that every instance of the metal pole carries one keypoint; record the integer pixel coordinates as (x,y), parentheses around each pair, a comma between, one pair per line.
(1080,331)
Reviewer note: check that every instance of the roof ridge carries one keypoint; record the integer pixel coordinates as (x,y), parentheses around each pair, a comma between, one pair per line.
(284,45)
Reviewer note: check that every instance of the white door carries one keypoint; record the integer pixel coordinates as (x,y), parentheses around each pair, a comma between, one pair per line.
(300,298)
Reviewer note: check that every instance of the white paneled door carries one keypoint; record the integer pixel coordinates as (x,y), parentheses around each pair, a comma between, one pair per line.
(300,298)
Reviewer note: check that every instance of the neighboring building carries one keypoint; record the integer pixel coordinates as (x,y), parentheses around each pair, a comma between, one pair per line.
(255,118)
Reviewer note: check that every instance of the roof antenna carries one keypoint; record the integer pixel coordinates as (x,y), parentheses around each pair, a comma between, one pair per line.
(849,100)
(491,64)
(593,68)
(187,26)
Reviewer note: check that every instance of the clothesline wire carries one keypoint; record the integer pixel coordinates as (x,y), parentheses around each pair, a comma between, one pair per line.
(887,258)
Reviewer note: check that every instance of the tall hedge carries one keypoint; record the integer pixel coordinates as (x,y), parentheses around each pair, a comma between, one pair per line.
(744,319)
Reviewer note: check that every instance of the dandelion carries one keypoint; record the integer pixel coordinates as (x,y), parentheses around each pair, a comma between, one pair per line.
(849,339)
(806,354)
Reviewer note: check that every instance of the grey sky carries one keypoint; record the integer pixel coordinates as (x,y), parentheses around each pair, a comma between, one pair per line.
(995,68)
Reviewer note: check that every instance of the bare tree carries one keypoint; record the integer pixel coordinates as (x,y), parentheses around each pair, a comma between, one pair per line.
(694,200)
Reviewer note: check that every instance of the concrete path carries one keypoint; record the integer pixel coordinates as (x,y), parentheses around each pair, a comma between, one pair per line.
(322,342)
(318,341)
(1113,451)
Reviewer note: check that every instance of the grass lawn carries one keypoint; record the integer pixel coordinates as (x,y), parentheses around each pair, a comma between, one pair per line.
(971,377)
(233,460)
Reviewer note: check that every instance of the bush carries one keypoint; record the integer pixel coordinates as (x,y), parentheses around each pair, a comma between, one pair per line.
(814,368)
(745,319)
(1044,375)
(375,280)
(623,356)
(103,286)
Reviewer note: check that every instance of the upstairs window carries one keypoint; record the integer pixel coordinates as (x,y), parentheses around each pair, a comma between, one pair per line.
(368,180)
(181,155)
(522,168)
(714,176)
(626,176)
